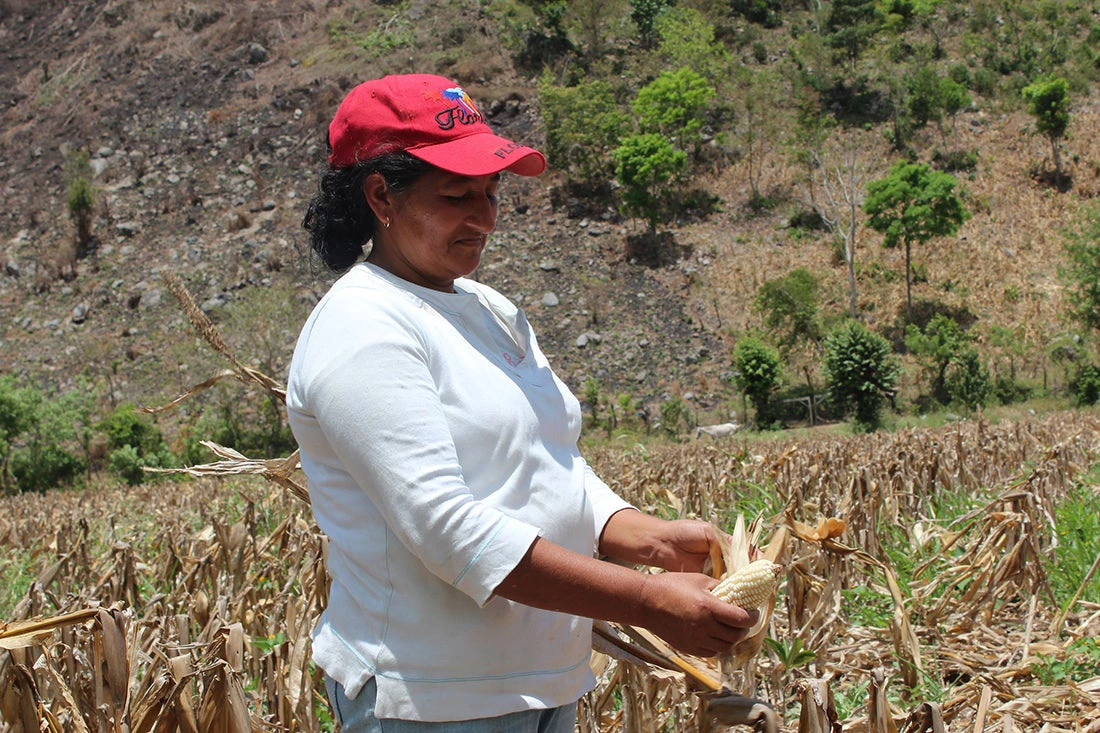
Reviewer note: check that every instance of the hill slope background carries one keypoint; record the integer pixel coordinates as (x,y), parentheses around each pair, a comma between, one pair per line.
(205,125)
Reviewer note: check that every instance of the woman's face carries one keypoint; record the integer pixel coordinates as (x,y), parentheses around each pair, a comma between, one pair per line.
(438,226)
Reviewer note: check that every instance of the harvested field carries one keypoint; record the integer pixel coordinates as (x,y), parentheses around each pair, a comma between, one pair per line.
(186,605)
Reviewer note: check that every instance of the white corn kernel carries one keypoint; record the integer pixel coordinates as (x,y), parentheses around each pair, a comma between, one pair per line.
(751,586)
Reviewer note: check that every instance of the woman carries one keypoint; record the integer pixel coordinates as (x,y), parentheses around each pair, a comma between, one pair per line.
(441,450)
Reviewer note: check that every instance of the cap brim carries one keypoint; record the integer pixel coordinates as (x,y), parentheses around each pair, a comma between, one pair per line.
(482,154)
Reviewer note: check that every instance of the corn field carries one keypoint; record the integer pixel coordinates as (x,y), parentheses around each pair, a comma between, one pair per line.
(187,605)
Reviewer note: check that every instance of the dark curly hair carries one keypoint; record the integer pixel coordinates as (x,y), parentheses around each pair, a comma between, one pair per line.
(339,220)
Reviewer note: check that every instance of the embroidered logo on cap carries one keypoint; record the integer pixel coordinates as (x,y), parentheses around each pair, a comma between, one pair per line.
(465,112)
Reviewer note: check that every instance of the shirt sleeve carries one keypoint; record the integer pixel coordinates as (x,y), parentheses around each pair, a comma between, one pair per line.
(605,502)
(371,391)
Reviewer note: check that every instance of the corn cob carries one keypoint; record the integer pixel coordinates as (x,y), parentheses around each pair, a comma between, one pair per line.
(751,586)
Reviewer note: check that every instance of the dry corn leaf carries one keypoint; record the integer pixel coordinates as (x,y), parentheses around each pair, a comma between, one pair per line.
(183,709)
(39,631)
(78,725)
(827,528)
(114,659)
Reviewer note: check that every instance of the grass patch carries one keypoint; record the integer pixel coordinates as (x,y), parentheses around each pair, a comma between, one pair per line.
(16,575)
(1077,528)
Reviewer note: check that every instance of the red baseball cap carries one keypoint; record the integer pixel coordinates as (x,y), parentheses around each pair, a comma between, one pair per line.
(429,117)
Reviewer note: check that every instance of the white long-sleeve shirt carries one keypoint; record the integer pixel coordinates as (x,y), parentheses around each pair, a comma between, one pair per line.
(438,444)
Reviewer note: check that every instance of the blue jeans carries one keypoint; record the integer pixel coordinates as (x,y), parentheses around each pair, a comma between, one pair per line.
(357,716)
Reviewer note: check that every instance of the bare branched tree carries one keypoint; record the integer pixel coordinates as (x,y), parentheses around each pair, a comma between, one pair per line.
(838,176)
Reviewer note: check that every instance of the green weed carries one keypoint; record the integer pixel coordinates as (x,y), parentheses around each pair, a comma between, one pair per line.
(1082,662)
(1077,528)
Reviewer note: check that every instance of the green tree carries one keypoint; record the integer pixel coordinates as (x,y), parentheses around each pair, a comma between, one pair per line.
(56,429)
(1081,272)
(592,21)
(757,103)
(967,380)
(789,307)
(16,416)
(935,100)
(861,372)
(911,205)
(954,98)
(687,40)
(1086,385)
(673,105)
(583,125)
(1048,102)
(764,12)
(789,304)
(81,199)
(645,165)
(936,346)
(126,426)
(674,416)
(758,369)
(850,27)
(644,13)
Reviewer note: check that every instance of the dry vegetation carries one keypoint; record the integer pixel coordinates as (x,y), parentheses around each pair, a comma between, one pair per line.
(188,605)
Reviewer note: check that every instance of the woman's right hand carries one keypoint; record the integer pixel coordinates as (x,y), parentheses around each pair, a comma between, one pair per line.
(680,609)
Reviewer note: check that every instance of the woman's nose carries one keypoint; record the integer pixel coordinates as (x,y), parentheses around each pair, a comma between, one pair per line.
(483,213)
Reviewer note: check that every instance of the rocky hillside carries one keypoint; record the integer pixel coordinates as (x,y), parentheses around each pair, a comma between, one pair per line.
(205,124)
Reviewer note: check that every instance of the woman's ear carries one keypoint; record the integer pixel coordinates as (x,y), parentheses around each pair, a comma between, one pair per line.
(379,197)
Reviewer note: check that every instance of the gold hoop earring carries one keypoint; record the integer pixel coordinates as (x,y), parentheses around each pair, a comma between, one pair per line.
(386,223)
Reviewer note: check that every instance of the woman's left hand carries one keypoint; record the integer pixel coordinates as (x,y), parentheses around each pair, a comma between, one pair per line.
(686,545)
(679,545)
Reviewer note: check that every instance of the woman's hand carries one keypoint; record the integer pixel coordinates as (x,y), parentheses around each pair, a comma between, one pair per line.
(680,609)
(681,545)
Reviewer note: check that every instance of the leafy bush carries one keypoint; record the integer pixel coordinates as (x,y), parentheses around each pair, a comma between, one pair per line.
(48,466)
(758,370)
(764,12)
(129,464)
(644,13)
(687,40)
(1081,274)
(967,380)
(81,199)
(956,160)
(136,443)
(674,416)
(851,25)
(789,306)
(645,166)
(1008,391)
(936,346)
(583,125)
(861,372)
(125,427)
(673,105)
(1048,102)
(263,433)
(16,415)
(1086,387)
(44,437)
